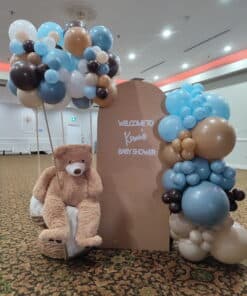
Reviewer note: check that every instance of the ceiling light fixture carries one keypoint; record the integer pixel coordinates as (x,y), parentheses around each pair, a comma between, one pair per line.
(167,33)
(185,66)
(156,77)
(227,48)
(131,56)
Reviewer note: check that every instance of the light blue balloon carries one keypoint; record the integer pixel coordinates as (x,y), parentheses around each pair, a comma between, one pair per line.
(187,86)
(218,166)
(179,180)
(185,111)
(168,181)
(196,102)
(16,47)
(40,48)
(193,179)
(81,103)
(189,122)
(202,167)
(187,167)
(52,93)
(51,76)
(46,28)
(216,179)
(61,58)
(89,54)
(229,173)
(90,92)
(102,37)
(220,108)
(200,113)
(177,167)
(228,184)
(170,127)
(74,63)
(205,204)
(12,87)
(198,87)
(104,69)
(176,100)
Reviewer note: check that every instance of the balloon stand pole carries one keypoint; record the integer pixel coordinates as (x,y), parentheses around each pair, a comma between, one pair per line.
(91,126)
(37,138)
(62,125)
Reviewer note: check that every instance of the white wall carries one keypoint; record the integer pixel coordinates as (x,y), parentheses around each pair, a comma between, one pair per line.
(18,127)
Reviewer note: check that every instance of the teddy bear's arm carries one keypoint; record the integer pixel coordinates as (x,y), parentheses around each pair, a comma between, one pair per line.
(95,186)
(40,188)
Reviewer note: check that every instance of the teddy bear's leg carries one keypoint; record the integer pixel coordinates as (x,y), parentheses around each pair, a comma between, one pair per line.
(88,223)
(55,217)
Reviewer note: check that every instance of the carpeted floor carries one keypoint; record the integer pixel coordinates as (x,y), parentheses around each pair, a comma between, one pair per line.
(23,271)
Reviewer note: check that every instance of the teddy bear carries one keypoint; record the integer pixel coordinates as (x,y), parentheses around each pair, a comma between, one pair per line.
(72,183)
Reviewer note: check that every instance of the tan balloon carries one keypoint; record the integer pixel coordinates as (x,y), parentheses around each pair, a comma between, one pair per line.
(15,58)
(215,138)
(110,98)
(187,155)
(21,36)
(176,144)
(188,144)
(29,99)
(169,156)
(184,134)
(230,246)
(191,251)
(76,39)
(54,35)
(180,225)
(91,79)
(34,58)
(104,81)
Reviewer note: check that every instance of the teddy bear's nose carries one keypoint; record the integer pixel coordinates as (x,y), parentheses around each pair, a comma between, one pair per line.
(77,171)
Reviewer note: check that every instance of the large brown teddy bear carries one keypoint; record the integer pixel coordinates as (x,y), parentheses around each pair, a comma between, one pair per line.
(75,183)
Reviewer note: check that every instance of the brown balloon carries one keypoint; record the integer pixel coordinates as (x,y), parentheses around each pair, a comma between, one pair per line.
(187,155)
(34,58)
(188,144)
(215,138)
(76,39)
(104,81)
(169,156)
(176,144)
(110,98)
(16,58)
(184,134)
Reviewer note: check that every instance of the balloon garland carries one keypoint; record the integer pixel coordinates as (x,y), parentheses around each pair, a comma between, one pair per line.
(199,185)
(55,65)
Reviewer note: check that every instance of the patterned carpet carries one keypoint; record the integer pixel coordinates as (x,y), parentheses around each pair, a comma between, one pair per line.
(23,271)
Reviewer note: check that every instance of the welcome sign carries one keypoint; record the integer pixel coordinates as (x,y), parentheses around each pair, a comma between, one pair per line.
(133,214)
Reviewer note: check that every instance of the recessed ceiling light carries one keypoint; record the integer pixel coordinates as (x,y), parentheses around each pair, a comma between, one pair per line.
(227,48)
(185,66)
(131,56)
(156,77)
(167,33)
(225,1)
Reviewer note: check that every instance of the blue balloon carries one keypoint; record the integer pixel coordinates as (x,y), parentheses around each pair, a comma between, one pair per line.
(89,54)
(51,76)
(198,87)
(90,92)
(170,127)
(202,167)
(177,167)
(46,28)
(217,166)
(187,167)
(104,69)
(205,204)
(193,179)
(176,100)
(200,113)
(187,86)
(229,173)
(81,103)
(12,87)
(179,180)
(40,48)
(220,108)
(196,102)
(57,58)
(52,93)
(189,122)
(228,184)
(216,179)
(102,37)
(185,111)
(168,181)
(16,47)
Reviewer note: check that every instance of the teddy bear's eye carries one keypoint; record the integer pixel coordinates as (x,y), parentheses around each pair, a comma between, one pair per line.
(83,161)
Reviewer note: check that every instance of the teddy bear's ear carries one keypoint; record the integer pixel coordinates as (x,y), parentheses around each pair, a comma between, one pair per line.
(60,151)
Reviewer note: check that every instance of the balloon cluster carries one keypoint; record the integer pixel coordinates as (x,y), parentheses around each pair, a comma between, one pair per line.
(55,65)
(199,184)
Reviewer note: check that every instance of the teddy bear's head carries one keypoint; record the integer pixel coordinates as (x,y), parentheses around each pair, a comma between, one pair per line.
(74,159)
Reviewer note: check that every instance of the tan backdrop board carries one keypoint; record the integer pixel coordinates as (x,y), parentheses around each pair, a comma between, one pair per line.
(133,214)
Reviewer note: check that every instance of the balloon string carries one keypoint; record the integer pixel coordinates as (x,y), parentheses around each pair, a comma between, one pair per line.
(91,125)
(62,124)
(51,145)
(37,138)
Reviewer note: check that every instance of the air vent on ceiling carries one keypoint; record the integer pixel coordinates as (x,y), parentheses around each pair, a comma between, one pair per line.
(207,40)
(152,67)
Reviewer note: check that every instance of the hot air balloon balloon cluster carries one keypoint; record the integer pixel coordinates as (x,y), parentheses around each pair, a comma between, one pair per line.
(58,65)
(199,185)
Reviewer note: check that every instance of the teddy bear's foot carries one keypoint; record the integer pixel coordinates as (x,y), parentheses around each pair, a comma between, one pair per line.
(56,235)
(89,242)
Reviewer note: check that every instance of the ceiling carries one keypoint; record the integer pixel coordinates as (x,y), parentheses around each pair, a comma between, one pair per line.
(137,27)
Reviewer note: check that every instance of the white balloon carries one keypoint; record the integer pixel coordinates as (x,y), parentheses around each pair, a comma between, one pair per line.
(60,106)
(227,223)
(180,225)
(91,79)
(206,246)
(30,98)
(102,57)
(75,85)
(50,42)
(173,235)
(208,236)
(196,236)
(191,251)
(230,245)
(64,75)
(22,26)
(82,66)
(96,49)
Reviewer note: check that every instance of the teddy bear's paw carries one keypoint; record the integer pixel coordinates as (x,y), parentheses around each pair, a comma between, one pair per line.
(56,235)
(89,242)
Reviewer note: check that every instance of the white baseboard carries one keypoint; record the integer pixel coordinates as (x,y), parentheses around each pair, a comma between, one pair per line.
(238,166)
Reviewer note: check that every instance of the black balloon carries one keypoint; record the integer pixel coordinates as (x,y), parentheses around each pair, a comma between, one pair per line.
(24,75)
(113,65)
(175,207)
(176,196)
(102,92)
(93,66)
(71,24)
(28,46)
(166,198)
(233,206)
(41,69)
(239,194)
(81,103)
(58,46)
